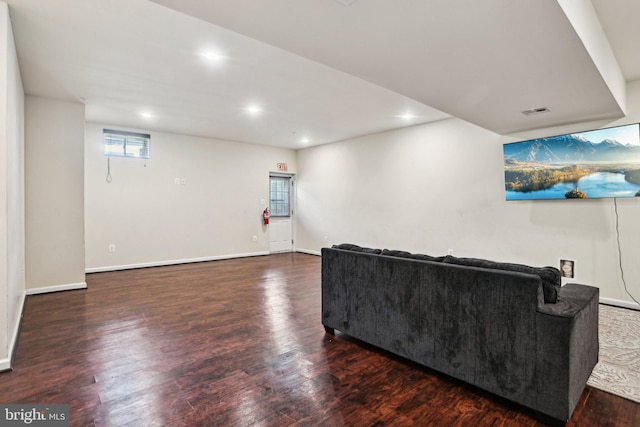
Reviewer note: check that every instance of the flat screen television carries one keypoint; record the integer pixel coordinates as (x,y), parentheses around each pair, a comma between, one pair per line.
(594,164)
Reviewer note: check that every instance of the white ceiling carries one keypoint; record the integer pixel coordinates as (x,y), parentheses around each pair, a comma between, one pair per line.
(327,70)
(619,19)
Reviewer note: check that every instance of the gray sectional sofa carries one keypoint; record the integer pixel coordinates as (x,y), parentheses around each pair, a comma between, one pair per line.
(506,328)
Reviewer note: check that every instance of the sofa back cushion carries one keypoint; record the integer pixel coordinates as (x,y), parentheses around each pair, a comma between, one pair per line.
(405,254)
(550,276)
(356,248)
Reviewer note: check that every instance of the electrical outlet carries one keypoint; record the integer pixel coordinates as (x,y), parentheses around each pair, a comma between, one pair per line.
(112,248)
(449,251)
(176,181)
(255,238)
(568,268)
(183,181)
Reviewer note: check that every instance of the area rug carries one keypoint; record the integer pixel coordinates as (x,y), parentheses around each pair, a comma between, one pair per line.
(618,368)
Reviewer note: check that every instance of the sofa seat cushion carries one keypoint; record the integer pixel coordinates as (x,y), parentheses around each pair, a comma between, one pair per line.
(550,276)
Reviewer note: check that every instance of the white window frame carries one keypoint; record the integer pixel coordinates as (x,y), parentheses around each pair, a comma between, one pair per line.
(119,138)
(276,202)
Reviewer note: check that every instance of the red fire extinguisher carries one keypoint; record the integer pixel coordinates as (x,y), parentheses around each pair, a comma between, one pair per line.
(265,216)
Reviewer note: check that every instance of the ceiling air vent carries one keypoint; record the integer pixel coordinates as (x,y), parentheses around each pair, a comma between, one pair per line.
(535,111)
(346,2)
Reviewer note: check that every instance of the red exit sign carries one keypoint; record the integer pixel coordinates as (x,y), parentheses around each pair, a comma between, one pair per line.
(283,167)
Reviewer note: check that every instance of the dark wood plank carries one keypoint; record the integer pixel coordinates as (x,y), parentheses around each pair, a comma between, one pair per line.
(237,342)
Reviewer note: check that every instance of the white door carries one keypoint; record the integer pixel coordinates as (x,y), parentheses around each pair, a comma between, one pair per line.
(281,210)
(280,235)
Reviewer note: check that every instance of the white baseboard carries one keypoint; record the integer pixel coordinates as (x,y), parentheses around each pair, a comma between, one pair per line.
(620,303)
(5,364)
(171,262)
(306,251)
(57,288)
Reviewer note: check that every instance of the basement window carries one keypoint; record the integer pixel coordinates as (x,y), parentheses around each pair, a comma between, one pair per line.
(126,144)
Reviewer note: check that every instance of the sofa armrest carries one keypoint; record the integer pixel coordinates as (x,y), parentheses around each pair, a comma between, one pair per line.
(567,348)
(572,298)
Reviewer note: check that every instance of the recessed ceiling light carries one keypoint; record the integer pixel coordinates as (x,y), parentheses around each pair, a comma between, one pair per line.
(408,116)
(146,115)
(213,56)
(254,110)
(305,140)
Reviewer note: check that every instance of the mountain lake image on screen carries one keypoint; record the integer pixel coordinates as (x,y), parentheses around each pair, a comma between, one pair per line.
(594,164)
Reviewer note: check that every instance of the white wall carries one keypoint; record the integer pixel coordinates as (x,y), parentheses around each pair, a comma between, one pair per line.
(440,186)
(12,192)
(153,221)
(54,163)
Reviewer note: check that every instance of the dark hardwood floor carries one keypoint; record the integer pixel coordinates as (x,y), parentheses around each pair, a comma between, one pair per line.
(237,342)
